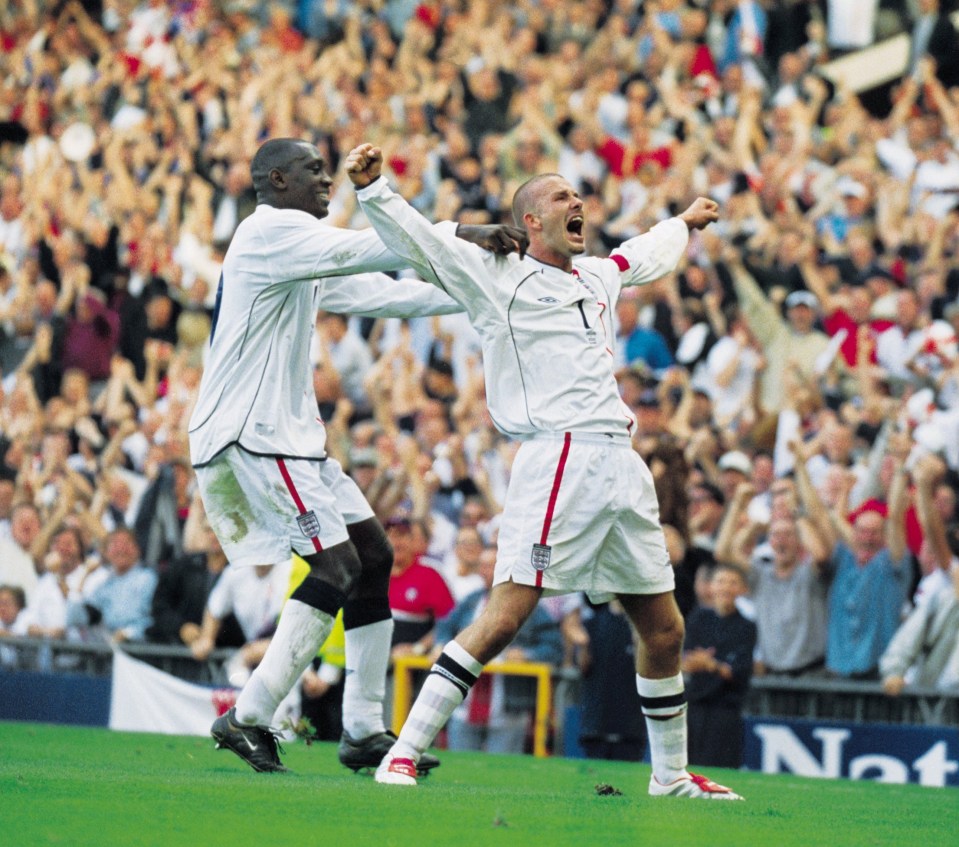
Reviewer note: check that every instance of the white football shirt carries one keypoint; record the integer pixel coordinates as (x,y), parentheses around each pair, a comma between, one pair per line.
(548,338)
(282,266)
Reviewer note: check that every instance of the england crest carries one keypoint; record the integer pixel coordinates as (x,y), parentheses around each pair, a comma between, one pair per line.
(540,556)
(309,525)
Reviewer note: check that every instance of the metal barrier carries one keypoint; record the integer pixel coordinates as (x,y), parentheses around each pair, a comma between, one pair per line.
(95,658)
(848,700)
(812,697)
(404,667)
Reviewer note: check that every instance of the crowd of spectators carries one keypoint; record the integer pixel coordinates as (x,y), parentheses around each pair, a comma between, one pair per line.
(795,382)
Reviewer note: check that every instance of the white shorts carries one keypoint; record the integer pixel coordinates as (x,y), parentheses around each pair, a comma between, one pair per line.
(581,514)
(262,508)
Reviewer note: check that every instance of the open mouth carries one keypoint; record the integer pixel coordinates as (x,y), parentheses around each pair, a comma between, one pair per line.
(574,226)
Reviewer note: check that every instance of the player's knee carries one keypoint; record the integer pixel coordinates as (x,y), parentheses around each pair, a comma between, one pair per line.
(319,594)
(373,548)
(373,581)
(667,638)
(377,559)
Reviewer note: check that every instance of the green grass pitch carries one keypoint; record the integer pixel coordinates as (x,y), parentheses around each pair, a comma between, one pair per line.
(76,786)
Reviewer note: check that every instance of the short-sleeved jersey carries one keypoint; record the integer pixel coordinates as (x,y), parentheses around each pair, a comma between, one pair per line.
(548,337)
(282,266)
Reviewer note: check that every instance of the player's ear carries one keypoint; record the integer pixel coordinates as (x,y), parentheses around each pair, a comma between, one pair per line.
(532,222)
(277,178)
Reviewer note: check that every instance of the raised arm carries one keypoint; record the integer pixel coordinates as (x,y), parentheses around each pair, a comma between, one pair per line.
(759,312)
(928,472)
(437,255)
(898,500)
(825,522)
(726,548)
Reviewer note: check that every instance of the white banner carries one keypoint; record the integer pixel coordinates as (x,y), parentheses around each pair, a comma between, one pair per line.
(145,699)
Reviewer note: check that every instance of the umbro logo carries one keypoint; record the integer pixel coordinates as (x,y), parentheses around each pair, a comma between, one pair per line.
(549,300)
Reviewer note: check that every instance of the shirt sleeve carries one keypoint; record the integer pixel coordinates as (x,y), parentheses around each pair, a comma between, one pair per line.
(456,266)
(652,255)
(298,247)
(376,295)
(762,316)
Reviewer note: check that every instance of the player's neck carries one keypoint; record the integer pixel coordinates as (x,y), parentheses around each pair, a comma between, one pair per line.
(545,256)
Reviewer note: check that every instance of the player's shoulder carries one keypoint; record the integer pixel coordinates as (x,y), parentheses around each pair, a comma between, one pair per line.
(265,216)
(610,262)
(605,267)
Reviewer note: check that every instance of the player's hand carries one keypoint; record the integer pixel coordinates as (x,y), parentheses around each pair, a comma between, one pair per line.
(701,213)
(893,685)
(201,648)
(364,164)
(500,239)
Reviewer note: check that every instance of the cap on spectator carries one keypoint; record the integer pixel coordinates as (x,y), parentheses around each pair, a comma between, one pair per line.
(364,457)
(871,505)
(802,298)
(851,188)
(735,460)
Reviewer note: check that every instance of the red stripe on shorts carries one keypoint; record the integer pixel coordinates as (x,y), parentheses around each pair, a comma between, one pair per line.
(551,506)
(296,497)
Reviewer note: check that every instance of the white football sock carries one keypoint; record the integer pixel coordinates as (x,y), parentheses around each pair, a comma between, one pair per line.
(367,658)
(445,688)
(299,634)
(664,705)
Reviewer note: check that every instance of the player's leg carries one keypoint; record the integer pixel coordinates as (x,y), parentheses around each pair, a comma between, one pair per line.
(368,628)
(454,673)
(659,681)
(304,625)
(368,624)
(261,508)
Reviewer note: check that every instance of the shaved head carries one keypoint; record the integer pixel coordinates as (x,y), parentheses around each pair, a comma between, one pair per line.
(275,154)
(529,196)
(555,219)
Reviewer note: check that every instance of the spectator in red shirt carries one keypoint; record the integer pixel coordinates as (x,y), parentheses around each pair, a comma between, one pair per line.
(419,596)
(91,336)
(627,159)
(847,308)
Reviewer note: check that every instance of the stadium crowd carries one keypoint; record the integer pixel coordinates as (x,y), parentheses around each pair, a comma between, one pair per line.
(795,383)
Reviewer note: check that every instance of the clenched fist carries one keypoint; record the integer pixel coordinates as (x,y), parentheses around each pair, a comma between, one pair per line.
(364,165)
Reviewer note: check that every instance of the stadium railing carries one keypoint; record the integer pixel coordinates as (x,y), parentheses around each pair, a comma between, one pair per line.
(849,700)
(96,658)
(812,697)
